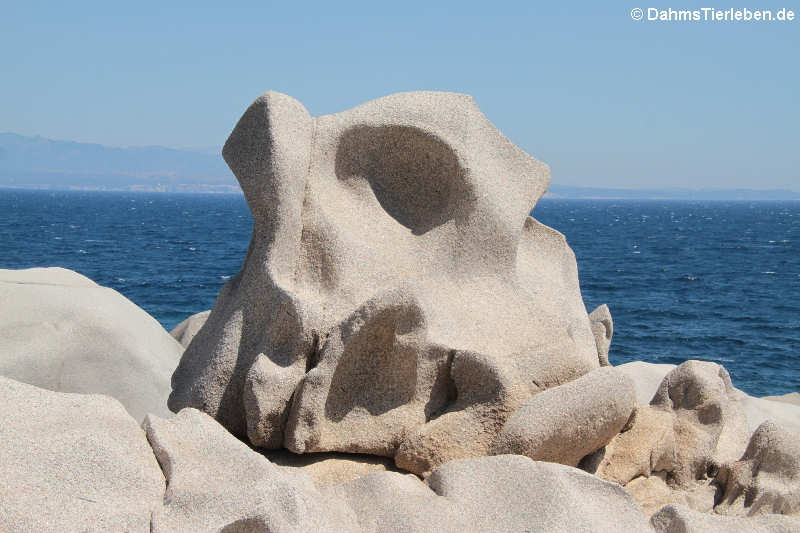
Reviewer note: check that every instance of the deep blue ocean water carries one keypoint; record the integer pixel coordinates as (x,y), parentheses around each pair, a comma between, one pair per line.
(718,281)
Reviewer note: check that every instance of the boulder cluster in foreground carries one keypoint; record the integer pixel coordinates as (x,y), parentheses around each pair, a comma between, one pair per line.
(404,350)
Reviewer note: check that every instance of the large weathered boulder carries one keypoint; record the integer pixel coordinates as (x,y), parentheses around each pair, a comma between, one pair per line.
(396,298)
(216,483)
(186,330)
(710,426)
(565,423)
(63,332)
(73,462)
(767,477)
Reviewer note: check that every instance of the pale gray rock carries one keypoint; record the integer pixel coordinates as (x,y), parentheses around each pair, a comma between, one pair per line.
(565,423)
(672,449)
(57,276)
(63,332)
(758,410)
(490,494)
(646,446)
(603,329)
(547,270)
(680,519)
(400,503)
(543,496)
(710,425)
(216,483)
(792,398)
(186,330)
(767,477)
(782,409)
(73,462)
(654,492)
(647,378)
(396,298)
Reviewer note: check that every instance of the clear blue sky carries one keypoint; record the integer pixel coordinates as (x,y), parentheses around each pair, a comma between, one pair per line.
(605,100)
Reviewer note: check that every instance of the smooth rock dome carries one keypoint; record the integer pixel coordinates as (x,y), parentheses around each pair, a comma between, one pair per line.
(61,331)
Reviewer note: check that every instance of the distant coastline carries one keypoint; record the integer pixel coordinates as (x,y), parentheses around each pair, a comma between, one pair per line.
(40,163)
(591,193)
(180,188)
(555,192)
(37,163)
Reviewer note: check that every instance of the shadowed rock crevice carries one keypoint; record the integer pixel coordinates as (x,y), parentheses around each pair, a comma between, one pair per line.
(766,479)
(314,353)
(377,379)
(387,345)
(444,382)
(416,177)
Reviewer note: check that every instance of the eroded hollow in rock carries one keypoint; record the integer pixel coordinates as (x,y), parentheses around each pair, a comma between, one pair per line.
(415,177)
(380,348)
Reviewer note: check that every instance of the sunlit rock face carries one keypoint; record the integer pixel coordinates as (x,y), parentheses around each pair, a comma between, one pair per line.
(396,298)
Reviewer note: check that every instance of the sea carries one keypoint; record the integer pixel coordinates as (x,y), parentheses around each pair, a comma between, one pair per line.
(716,281)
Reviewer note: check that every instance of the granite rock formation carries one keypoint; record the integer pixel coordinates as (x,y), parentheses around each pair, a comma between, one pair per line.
(784,410)
(603,330)
(396,301)
(681,519)
(760,410)
(792,398)
(76,462)
(61,331)
(709,424)
(216,483)
(73,462)
(689,447)
(186,330)
(396,298)
(694,423)
(647,378)
(566,423)
(207,471)
(766,480)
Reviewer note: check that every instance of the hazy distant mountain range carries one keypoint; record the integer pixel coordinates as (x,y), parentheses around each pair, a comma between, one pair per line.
(36,162)
(560,191)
